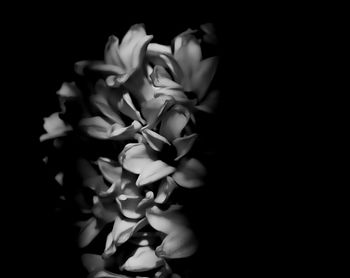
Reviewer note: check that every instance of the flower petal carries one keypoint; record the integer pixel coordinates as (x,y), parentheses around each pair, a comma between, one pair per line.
(128,184)
(91,229)
(188,55)
(128,206)
(166,221)
(155,140)
(100,100)
(165,189)
(54,127)
(136,157)
(112,52)
(190,173)
(139,86)
(134,207)
(178,244)
(122,230)
(111,170)
(144,259)
(154,171)
(130,40)
(166,61)
(204,75)
(165,86)
(155,47)
(139,51)
(96,127)
(127,107)
(152,109)
(121,133)
(184,144)
(82,66)
(174,121)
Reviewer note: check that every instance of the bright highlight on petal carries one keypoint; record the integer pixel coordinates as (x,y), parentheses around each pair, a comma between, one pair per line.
(144,259)
(166,221)
(154,171)
(178,244)
(136,158)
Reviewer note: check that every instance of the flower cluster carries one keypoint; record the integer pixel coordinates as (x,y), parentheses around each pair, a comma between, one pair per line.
(133,120)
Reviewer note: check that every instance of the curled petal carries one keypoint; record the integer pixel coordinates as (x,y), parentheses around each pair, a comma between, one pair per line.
(139,86)
(123,229)
(159,48)
(136,157)
(155,140)
(143,259)
(121,133)
(96,127)
(152,109)
(111,192)
(54,127)
(167,61)
(166,187)
(128,184)
(134,207)
(128,206)
(188,55)
(101,101)
(161,78)
(202,78)
(174,121)
(190,173)
(184,144)
(165,86)
(178,244)
(110,169)
(82,66)
(166,221)
(139,51)
(89,231)
(112,52)
(135,34)
(127,107)
(154,171)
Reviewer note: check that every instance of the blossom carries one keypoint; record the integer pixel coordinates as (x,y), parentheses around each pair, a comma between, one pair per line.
(123,62)
(189,72)
(159,155)
(137,111)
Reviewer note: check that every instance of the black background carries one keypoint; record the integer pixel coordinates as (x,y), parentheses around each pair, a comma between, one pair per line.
(244,217)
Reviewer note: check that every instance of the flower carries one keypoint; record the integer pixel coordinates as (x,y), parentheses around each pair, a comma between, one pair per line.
(133,125)
(123,62)
(159,155)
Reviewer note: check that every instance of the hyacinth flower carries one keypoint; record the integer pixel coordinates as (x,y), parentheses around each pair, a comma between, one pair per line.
(181,72)
(141,100)
(123,63)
